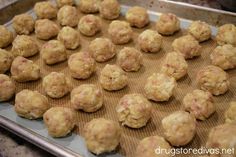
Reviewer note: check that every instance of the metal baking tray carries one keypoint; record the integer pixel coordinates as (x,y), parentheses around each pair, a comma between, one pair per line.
(34,131)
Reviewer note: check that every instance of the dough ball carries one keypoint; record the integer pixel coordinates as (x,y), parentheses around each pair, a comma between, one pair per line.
(159,87)
(31,104)
(102,135)
(168,24)
(7,88)
(224,57)
(213,79)
(61,3)
(179,128)
(23,24)
(89,6)
(188,46)
(59,121)
(87,97)
(134,110)
(199,103)
(113,78)
(56,85)
(69,37)
(68,16)
(137,16)
(148,145)
(24,46)
(24,70)
(45,10)
(89,25)
(200,30)
(226,35)
(53,52)
(6,37)
(102,49)
(174,65)
(109,9)
(81,65)
(120,32)
(46,29)
(130,59)
(6,59)
(230,113)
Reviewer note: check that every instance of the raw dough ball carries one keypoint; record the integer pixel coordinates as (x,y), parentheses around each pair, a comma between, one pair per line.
(23,24)
(188,46)
(137,16)
(6,37)
(89,6)
(226,35)
(150,41)
(134,110)
(6,59)
(102,135)
(200,30)
(59,121)
(213,79)
(113,78)
(224,57)
(45,10)
(56,85)
(148,145)
(53,52)
(24,70)
(46,29)
(89,25)
(87,97)
(130,59)
(81,65)
(68,16)
(7,88)
(61,3)
(159,87)
(168,24)
(230,114)
(24,46)
(69,37)
(102,49)
(109,9)
(200,103)
(31,104)
(179,128)
(175,65)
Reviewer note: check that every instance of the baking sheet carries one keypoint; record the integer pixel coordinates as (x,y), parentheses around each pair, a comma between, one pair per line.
(151,63)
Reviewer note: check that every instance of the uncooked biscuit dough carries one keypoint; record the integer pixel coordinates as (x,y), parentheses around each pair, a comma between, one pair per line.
(200,30)
(89,6)
(68,16)
(109,9)
(23,24)
(45,10)
(230,113)
(61,3)
(7,88)
(6,37)
(226,35)
(6,59)
(89,25)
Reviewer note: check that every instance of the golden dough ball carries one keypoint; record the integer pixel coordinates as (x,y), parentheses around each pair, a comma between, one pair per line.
(31,104)
(150,41)
(159,87)
(6,59)
(24,70)
(168,24)
(59,121)
(134,110)
(89,6)
(179,128)
(200,30)
(87,97)
(61,3)
(224,57)
(120,32)
(109,9)
(137,16)
(226,35)
(200,103)
(6,37)
(68,16)
(23,24)
(230,113)
(45,10)
(113,78)
(56,85)
(46,29)
(89,25)
(130,59)
(102,135)
(81,65)
(25,46)
(53,52)
(7,88)
(102,49)
(188,46)
(213,79)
